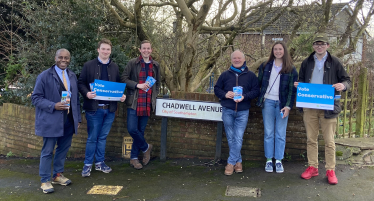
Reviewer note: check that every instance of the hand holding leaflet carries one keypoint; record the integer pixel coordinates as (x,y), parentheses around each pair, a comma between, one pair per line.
(238,91)
(65,98)
(150,81)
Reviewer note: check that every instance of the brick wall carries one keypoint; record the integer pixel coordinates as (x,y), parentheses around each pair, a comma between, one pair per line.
(185,138)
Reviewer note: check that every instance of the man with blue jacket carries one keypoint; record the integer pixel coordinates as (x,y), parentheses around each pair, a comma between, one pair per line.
(55,121)
(235,111)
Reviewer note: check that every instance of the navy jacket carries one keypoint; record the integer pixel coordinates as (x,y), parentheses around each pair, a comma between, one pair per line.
(287,91)
(91,71)
(48,121)
(228,80)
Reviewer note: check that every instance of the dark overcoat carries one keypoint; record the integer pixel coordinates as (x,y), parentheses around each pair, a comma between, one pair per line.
(49,122)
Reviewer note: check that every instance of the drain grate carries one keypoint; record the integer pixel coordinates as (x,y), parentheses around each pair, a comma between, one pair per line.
(104,190)
(243,191)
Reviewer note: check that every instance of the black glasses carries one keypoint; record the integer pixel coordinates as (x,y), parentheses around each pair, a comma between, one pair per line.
(319,45)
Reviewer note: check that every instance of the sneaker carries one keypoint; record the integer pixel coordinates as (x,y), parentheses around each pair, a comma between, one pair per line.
(269,166)
(135,163)
(47,187)
(279,167)
(147,155)
(60,179)
(238,167)
(86,172)
(103,167)
(310,172)
(330,174)
(229,169)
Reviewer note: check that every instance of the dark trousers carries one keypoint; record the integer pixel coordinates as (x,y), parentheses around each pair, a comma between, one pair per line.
(63,145)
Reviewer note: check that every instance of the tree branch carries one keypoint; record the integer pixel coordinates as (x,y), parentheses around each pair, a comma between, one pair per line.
(122,8)
(326,17)
(209,62)
(354,40)
(350,24)
(116,15)
(186,12)
(225,21)
(258,5)
(203,12)
(190,2)
(160,4)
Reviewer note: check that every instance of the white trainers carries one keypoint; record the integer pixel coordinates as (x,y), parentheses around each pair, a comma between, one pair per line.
(279,167)
(269,166)
(47,187)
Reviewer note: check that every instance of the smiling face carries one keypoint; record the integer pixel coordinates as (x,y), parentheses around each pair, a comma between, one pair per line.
(320,47)
(237,59)
(278,51)
(145,50)
(104,51)
(62,59)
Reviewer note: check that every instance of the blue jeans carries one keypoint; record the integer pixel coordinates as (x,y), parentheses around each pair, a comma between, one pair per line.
(99,123)
(63,145)
(136,127)
(235,125)
(275,130)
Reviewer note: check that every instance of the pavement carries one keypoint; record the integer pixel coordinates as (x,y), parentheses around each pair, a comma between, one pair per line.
(187,179)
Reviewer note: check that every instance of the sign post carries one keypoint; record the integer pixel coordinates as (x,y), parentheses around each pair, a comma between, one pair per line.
(189,110)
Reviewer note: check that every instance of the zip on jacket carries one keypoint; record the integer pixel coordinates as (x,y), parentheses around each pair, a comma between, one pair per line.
(237,83)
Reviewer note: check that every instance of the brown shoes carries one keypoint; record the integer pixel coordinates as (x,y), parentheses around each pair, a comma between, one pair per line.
(229,169)
(147,155)
(238,167)
(135,163)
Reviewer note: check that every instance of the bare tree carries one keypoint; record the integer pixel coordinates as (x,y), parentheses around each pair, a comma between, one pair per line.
(205,29)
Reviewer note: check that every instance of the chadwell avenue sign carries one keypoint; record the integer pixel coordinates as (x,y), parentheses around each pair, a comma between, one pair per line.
(189,109)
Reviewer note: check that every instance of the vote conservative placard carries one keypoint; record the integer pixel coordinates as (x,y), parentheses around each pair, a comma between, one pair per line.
(109,91)
(316,96)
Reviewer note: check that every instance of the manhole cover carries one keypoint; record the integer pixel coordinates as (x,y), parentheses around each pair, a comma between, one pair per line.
(105,190)
(243,191)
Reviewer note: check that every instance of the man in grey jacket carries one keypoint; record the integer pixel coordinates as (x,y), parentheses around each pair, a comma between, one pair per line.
(141,99)
(322,68)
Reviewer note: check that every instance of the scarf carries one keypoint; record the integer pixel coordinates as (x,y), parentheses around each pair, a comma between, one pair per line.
(238,70)
(144,98)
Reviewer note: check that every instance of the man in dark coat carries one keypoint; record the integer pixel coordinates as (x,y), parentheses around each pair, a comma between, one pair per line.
(322,68)
(99,113)
(55,121)
(235,110)
(141,100)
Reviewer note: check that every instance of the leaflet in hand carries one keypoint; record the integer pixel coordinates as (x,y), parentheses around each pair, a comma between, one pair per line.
(150,81)
(65,98)
(238,92)
(91,86)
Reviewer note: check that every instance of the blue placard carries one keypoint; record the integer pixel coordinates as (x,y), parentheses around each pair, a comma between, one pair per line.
(316,96)
(109,91)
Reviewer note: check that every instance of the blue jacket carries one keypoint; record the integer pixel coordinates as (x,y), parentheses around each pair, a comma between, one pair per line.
(228,80)
(287,91)
(48,121)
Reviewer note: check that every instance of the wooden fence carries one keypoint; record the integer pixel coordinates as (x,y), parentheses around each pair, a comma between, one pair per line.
(356,119)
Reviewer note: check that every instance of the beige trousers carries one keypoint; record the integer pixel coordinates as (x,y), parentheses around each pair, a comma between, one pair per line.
(312,119)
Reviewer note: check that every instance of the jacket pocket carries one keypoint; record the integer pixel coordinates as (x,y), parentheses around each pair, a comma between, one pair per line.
(129,97)
(334,113)
(337,107)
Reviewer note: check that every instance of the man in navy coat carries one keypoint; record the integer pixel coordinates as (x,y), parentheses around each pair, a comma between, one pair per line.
(55,121)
